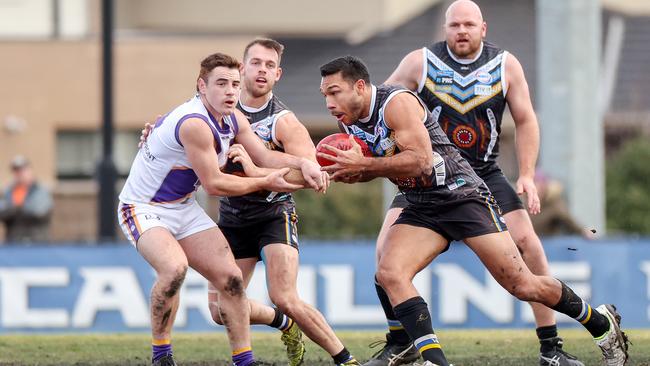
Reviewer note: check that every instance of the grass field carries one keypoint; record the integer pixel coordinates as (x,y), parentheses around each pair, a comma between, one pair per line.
(463,348)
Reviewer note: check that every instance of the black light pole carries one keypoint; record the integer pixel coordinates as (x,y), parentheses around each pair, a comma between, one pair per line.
(107,173)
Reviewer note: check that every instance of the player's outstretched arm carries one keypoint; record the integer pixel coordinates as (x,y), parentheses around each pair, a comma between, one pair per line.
(526,131)
(239,155)
(198,142)
(296,141)
(266,158)
(409,71)
(404,115)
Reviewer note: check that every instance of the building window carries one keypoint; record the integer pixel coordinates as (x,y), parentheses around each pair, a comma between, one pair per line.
(79,152)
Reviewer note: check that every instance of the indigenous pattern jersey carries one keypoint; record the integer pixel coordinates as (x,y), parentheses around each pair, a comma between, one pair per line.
(450,171)
(467,99)
(161,174)
(262,204)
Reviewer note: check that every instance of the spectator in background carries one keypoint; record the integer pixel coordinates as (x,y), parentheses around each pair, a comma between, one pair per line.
(555,218)
(26,205)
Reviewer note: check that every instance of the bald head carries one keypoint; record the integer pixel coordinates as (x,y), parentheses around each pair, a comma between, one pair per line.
(464,29)
(464,8)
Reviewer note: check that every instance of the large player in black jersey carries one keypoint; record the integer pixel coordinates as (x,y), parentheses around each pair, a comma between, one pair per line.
(466,83)
(447,201)
(262,225)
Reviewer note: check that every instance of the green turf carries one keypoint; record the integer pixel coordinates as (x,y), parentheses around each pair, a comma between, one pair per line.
(463,348)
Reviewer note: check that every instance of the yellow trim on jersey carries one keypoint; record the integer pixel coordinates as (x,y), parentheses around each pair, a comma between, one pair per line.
(462,108)
(494,217)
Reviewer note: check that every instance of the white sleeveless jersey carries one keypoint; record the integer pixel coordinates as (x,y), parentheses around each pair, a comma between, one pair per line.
(161,173)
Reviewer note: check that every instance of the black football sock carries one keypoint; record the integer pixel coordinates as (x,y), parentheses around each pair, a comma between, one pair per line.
(414,316)
(395,328)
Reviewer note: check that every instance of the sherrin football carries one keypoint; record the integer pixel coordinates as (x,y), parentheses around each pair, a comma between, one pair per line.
(340,141)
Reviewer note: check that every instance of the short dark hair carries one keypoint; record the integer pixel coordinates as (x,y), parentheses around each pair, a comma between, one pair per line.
(269,43)
(215,60)
(350,67)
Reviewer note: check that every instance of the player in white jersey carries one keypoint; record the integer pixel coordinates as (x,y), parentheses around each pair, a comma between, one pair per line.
(159,215)
(263,224)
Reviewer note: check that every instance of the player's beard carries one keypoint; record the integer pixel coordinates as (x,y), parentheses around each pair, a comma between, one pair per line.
(256,91)
(466,52)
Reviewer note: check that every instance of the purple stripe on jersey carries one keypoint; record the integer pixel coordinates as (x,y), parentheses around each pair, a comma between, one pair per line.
(235,125)
(226,130)
(160,120)
(226,127)
(129,220)
(186,117)
(177,184)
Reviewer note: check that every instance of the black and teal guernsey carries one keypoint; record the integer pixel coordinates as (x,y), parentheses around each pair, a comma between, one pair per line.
(451,175)
(467,98)
(261,205)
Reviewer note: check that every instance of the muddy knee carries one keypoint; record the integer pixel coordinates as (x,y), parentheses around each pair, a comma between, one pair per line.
(231,285)
(172,280)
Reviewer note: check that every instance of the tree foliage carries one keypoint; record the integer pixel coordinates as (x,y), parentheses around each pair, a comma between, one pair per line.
(347,211)
(628,188)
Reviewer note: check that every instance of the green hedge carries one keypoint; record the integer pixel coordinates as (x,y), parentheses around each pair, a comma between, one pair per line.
(347,211)
(628,188)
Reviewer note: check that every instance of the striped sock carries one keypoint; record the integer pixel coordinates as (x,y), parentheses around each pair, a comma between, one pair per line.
(281,321)
(429,348)
(243,356)
(395,328)
(342,357)
(574,306)
(416,319)
(160,348)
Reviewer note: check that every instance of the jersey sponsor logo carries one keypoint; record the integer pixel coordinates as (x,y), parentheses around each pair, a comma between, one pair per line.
(458,183)
(480,89)
(484,77)
(439,169)
(443,80)
(464,136)
(147,151)
(462,107)
(262,130)
(444,77)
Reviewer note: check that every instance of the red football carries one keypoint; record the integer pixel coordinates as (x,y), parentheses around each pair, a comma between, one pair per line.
(340,141)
